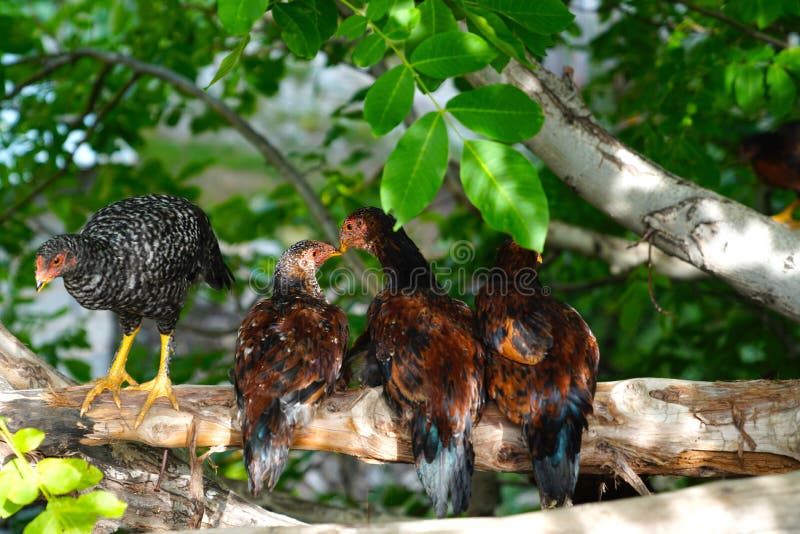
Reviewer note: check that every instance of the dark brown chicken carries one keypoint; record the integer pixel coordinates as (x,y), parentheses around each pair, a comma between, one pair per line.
(775,158)
(288,357)
(542,368)
(430,361)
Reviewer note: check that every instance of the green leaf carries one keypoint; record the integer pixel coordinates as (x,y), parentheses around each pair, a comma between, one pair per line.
(389,100)
(452,54)
(435,17)
(505,187)
(492,27)
(403,18)
(369,51)
(789,59)
(537,43)
(781,89)
(90,475)
(501,112)
(327,17)
(415,169)
(27,439)
(352,27)
(238,16)
(21,482)
(229,61)
(377,9)
(72,517)
(538,16)
(58,476)
(749,88)
(103,503)
(7,506)
(44,523)
(299,29)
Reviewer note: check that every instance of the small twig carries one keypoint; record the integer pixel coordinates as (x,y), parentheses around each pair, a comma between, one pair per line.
(735,23)
(97,89)
(161,472)
(50,67)
(648,236)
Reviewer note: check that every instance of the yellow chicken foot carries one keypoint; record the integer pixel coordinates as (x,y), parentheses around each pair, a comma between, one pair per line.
(785,216)
(116,374)
(160,386)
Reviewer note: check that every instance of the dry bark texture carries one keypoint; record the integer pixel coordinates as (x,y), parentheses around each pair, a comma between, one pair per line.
(642,426)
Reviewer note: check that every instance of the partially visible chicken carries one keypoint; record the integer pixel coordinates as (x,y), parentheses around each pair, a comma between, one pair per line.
(288,357)
(430,361)
(775,158)
(542,368)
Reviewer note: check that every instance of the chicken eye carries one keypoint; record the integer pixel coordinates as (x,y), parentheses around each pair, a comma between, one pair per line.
(57,260)
(349,226)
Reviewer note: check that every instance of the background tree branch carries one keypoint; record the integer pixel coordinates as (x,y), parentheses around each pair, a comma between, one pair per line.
(746,249)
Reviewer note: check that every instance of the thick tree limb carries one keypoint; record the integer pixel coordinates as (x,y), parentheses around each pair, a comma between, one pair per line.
(754,254)
(763,504)
(657,426)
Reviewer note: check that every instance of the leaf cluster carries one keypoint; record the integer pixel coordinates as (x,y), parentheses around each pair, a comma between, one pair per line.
(55,479)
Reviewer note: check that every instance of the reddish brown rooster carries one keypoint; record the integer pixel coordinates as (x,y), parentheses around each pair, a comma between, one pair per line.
(542,368)
(430,360)
(775,157)
(288,356)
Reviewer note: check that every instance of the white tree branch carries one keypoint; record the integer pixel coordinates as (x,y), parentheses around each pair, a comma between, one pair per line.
(754,254)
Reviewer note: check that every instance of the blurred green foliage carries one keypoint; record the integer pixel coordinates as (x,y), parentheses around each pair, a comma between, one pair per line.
(680,86)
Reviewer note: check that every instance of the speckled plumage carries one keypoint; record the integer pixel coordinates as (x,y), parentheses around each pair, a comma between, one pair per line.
(430,362)
(289,354)
(138,257)
(541,370)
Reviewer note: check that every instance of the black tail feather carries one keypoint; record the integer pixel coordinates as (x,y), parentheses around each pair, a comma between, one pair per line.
(267,448)
(556,470)
(217,274)
(444,470)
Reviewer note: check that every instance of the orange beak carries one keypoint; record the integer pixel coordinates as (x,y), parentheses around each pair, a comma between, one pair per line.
(342,248)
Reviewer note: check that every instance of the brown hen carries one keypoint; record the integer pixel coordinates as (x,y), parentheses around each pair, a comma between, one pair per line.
(430,361)
(542,368)
(288,357)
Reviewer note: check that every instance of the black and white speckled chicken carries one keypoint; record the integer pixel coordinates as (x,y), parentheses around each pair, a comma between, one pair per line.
(136,257)
(288,356)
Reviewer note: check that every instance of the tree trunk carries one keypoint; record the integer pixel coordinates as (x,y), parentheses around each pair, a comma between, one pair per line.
(746,249)
(649,426)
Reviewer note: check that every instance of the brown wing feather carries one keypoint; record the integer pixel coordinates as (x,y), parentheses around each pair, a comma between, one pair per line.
(288,349)
(429,357)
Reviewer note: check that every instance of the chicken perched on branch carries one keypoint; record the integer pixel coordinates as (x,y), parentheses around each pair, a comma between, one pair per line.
(542,368)
(775,158)
(136,257)
(288,357)
(429,358)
